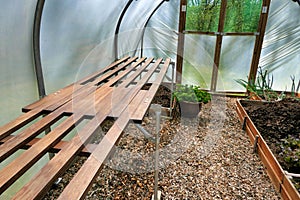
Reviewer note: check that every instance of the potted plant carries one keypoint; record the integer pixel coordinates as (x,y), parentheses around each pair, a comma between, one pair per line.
(190,99)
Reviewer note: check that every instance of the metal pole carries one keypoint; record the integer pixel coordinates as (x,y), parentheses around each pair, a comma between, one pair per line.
(36,48)
(157,109)
(172,89)
(146,24)
(116,45)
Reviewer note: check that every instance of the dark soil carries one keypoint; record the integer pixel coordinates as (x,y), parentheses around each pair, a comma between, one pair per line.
(279,124)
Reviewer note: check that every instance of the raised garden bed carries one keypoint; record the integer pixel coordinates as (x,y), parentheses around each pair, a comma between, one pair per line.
(273,128)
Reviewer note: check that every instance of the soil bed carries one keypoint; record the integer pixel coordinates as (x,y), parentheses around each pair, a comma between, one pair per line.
(279,124)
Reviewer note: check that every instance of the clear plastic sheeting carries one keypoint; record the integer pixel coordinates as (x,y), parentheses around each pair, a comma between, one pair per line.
(280,53)
(70,33)
(131,29)
(161,35)
(198,60)
(17,77)
(78,37)
(236,57)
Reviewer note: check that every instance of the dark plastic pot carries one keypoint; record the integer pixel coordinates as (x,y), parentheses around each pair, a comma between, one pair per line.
(190,109)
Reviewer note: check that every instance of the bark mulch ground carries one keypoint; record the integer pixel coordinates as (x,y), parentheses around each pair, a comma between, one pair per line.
(208,157)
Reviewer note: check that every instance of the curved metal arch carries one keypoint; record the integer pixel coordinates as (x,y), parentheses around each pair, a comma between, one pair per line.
(146,24)
(36,48)
(118,28)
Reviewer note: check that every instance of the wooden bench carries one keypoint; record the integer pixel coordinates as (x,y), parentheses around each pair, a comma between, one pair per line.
(114,91)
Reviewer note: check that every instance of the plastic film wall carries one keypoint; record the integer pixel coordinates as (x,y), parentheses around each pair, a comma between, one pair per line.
(76,39)
(280,54)
(17,77)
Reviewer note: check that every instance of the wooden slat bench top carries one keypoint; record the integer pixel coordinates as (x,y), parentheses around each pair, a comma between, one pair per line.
(114,91)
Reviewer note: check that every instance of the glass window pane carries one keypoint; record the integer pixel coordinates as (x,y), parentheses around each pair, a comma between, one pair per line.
(203,15)
(242,15)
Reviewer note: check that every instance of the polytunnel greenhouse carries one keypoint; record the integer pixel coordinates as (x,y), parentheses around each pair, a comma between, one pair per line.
(140,99)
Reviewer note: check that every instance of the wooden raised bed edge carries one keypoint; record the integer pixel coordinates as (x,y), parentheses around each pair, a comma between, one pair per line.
(277,175)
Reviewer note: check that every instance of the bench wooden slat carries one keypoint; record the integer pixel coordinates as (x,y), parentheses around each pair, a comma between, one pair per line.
(49,99)
(144,105)
(83,179)
(18,166)
(117,70)
(55,149)
(115,90)
(105,69)
(136,73)
(19,122)
(65,93)
(126,72)
(26,135)
(40,183)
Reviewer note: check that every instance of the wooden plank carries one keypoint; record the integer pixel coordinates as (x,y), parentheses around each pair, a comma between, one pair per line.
(80,184)
(132,91)
(259,40)
(144,105)
(116,79)
(12,145)
(111,73)
(21,164)
(135,109)
(104,70)
(60,97)
(50,99)
(19,122)
(76,95)
(40,183)
(136,73)
(288,190)
(86,105)
(55,149)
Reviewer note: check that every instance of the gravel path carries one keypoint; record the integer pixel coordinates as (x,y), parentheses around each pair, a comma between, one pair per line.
(207,158)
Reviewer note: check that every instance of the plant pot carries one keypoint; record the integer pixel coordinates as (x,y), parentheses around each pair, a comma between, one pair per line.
(190,109)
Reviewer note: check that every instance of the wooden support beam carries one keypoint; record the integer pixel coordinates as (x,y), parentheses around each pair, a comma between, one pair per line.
(259,39)
(219,41)
(180,47)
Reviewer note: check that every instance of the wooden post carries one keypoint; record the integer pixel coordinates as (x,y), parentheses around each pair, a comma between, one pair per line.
(259,39)
(219,41)
(180,46)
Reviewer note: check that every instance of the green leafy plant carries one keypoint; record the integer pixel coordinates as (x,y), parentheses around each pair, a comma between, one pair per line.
(191,93)
(291,151)
(262,87)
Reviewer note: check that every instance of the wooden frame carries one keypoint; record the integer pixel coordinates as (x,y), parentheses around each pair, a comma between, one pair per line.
(217,55)
(278,177)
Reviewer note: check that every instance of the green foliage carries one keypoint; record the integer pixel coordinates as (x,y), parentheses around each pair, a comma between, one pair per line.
(291,152)
(191,93)
(241,15)
(262,87)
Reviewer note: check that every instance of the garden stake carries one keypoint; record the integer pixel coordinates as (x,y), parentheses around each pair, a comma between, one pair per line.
(255,144)
(244,123)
